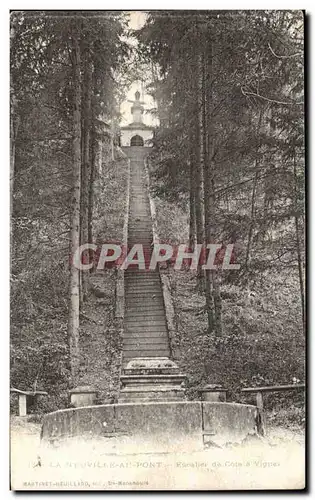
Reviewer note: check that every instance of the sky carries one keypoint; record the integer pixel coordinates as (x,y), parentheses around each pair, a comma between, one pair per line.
(137,20)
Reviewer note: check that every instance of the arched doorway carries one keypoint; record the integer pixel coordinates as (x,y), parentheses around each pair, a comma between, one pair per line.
(136,140)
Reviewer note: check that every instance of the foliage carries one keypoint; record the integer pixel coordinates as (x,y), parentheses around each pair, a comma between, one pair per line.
(42,101)
(233,125)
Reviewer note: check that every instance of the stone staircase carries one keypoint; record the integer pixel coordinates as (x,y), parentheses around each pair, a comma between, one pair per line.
(145,337)
(147,379)
(145,322)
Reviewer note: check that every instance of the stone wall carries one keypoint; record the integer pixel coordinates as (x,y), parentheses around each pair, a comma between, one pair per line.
(154,427)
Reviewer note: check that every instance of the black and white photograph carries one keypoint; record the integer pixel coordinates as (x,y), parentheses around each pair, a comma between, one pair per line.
(157,250)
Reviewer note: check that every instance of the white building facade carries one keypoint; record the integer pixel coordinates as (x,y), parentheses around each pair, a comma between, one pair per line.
(136,133)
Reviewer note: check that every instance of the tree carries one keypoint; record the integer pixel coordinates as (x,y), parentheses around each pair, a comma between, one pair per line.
(63,84)
(74,302)
(234,107)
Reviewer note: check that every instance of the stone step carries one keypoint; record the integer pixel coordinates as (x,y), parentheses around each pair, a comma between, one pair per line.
(138,219)
(149,330)
(150,278)
(151,343)
(137,299)
(141,225)
(133,336)
(145,336)
(132,320)
(149,379)
(136,347)
(144,289)
(136,318)
(136,200)
(148,327)
(141,232)
(146,228)
(145,319)
(146,248)
(130,354)
(140,213)
(143,281)
(146,286)
(145,306)
(145,243)
(148,388)
(142,323)
(157,293)
(152,296)
(143,302)
(136,195)
(147,282)
(140,274)
(141,318)
(143,332)
(155,395)
(144,238)
(128,400)
(153,289)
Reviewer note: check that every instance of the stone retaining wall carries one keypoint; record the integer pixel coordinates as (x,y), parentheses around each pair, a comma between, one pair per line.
(154,427)
(120,284)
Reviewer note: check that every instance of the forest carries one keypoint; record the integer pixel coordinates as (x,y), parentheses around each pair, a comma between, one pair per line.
(226,166)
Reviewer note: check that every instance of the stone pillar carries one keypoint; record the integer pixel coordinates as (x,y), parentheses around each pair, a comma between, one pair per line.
(22,405)
(213,393)
(83,396)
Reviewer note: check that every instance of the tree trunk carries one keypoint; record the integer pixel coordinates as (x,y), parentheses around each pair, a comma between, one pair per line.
(192,210)
(74,300)
(93,158)
(252,215)
(298,246)
(14,127)
(253,197)
(213,295)
(86,164)
(199,189)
